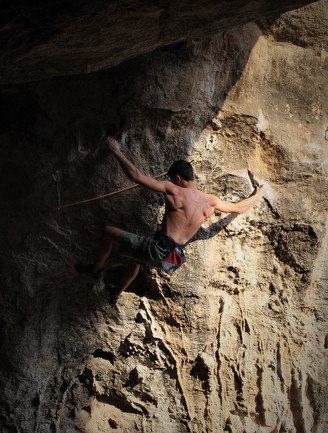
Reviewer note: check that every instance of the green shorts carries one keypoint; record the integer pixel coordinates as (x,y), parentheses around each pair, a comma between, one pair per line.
(144,249)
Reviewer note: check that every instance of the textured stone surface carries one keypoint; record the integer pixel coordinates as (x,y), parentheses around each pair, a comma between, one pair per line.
(236,340)
(47,39)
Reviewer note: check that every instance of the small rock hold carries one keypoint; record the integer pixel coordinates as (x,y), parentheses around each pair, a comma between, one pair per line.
(216,124)
(113,424)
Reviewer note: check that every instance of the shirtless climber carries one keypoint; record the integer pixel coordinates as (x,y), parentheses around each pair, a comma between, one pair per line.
(186,210)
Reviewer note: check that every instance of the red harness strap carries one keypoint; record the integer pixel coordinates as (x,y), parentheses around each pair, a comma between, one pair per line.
(175,258)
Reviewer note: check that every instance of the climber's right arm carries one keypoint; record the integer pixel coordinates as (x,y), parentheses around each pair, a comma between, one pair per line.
(133,173)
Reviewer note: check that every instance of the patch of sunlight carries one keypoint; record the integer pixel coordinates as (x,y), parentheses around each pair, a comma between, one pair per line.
(262,123)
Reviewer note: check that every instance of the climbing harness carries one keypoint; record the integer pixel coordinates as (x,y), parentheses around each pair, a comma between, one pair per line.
(57,178)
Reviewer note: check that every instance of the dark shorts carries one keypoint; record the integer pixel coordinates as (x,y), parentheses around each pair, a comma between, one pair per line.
(151,250)
(144,249)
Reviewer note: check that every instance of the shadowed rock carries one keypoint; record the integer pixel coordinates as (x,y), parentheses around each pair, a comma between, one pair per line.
(47,39)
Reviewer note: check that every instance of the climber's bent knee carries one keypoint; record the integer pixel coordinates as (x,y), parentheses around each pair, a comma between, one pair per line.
(113,233)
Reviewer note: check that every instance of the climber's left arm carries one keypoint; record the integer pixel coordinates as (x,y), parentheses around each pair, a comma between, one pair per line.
(240,207)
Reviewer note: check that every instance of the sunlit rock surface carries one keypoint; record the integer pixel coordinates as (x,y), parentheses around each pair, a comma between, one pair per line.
(236,340)
(44,39)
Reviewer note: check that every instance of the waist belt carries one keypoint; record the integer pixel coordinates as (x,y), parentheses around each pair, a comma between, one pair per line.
(164,242)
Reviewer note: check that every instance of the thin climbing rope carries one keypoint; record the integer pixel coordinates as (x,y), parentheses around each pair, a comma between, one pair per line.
(64,206)
(105,195)
(58,208)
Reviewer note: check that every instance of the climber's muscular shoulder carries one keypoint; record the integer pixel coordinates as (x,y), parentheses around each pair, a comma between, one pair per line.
(188,205)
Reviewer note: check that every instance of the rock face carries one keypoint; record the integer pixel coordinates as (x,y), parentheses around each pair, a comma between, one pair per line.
(236,340)
(53,38)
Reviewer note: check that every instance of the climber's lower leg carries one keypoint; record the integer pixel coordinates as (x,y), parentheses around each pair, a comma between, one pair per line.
(130,272)
(110,236)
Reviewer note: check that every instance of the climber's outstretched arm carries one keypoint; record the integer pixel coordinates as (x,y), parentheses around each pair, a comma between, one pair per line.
(240,207)
(133,173)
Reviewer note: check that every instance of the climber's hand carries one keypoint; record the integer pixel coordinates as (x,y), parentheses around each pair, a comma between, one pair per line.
(112,144)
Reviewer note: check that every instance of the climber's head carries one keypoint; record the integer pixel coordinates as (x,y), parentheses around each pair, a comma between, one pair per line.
(181,168)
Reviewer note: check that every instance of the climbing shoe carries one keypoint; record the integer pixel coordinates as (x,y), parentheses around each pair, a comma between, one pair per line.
(97,278)
(113,299)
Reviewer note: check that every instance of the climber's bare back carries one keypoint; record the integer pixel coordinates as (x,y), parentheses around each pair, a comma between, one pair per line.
(186,210)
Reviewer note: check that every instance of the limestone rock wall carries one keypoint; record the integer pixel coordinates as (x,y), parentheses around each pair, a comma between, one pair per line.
(236,340)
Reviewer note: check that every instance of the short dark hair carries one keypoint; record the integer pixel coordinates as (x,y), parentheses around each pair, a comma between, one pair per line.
(182,168)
